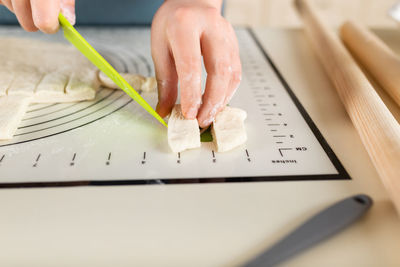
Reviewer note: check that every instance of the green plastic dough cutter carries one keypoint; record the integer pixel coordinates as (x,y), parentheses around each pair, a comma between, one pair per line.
(88,51)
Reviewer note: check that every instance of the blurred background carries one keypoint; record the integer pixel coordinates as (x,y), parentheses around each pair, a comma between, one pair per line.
(270,13)
(280,13)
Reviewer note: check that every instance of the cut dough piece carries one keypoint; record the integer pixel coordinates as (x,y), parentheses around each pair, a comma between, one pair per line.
(182,133)
(25,82)
(51,88)
(228,129)
(134,80)
(12,109)
(138,82)
(81,85)
(30,60)
(149,85)
(6,78)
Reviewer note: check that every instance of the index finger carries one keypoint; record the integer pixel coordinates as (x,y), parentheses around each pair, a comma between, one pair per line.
(45,15)
(185,46)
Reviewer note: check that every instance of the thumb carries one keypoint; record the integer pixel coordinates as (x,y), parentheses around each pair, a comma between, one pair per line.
(68,10)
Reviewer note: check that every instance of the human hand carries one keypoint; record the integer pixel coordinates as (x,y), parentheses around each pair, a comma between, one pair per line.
(183,31)
(41,15)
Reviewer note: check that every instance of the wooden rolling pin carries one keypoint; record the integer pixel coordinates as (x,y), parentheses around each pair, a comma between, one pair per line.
(379,60)
(378,129)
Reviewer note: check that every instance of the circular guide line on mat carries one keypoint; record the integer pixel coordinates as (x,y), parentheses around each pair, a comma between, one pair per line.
(106,103)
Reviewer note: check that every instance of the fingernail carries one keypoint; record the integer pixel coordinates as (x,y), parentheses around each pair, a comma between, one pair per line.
(206,122)
(69,12)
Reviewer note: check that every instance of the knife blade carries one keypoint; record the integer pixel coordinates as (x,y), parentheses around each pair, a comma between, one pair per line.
(76,39)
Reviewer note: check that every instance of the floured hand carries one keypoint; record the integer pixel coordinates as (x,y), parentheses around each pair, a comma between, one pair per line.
(182,32)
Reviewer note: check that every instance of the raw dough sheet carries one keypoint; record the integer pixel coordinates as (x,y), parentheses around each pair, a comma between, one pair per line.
(43,72)
(12,110)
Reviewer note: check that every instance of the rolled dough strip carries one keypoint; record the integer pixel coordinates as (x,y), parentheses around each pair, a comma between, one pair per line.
(182,133)
(149,85)
(12,109)
(228,129)
(25,82)
(81,85)
(51,88)
(138,82)
(6,77)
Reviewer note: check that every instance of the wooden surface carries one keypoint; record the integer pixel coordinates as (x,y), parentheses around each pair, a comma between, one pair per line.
(378,129)
(281,13)
(212,224)
(377,58)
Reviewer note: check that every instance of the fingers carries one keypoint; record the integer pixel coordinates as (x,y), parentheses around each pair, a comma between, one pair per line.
(36,14)
(167,83)
(221,59)
(45,15)
(185,45)
(188,32)
(23,11)
(8,4)
(213,98)
(167,79)
(236,78)
(236,75)
(68,10)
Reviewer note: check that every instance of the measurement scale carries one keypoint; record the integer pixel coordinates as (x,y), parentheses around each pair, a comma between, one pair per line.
(112,141)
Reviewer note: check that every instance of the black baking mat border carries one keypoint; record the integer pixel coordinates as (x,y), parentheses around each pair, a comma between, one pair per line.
(342,173)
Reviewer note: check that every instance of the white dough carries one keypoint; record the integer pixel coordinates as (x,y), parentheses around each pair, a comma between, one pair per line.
(138,82)
(81,85)
(38,68)
(149,85)
(25,81)
(32,71)
(228,129)
(6,78)
(12,109)
(42,55)
(51,88)
(134,80)
(182,133)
